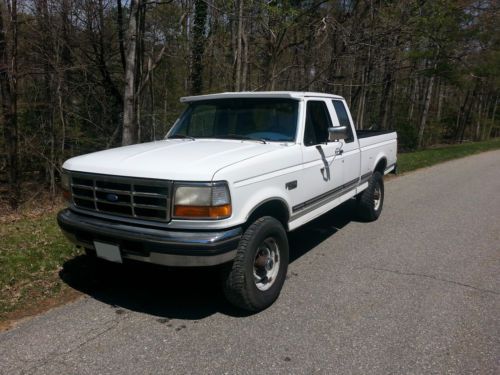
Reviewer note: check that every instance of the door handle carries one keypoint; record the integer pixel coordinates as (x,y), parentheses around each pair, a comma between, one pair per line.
(339,151)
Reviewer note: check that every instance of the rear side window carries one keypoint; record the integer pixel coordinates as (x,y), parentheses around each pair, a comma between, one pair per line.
(343,118)
(317,123)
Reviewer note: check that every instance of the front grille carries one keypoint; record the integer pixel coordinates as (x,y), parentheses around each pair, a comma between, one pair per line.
(123,196)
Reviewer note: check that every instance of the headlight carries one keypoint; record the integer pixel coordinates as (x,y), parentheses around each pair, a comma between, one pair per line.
(65,186)
(202,201)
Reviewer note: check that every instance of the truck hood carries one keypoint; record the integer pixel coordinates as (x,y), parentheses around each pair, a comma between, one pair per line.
(172,159)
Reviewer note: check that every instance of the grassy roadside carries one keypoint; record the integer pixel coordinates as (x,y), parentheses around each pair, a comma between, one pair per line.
(425,158)
(33,250)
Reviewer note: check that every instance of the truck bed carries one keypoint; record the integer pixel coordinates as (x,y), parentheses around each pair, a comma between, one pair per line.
(372,138)
(372,144)
(371,133)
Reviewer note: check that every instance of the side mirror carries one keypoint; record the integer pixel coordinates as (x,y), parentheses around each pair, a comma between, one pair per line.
(337,133)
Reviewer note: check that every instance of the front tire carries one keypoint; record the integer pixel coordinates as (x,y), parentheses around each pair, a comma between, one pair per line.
(259,269)
(371,200)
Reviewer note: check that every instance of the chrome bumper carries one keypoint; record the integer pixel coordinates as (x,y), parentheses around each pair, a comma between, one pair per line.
(152,245)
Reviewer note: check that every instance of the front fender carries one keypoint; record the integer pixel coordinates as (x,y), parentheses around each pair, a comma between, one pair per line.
(249,198)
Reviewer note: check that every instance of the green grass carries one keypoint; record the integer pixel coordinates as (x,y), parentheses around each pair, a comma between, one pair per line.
(425,158)
(33,250)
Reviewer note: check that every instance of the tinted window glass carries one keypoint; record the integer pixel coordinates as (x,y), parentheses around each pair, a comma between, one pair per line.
(202,120)
(343,118)
(269,119)
(317,123)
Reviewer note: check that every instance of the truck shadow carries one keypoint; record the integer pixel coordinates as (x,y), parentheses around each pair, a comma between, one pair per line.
(181,293)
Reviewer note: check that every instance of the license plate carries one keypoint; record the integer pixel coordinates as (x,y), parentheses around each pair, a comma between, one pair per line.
(108,252)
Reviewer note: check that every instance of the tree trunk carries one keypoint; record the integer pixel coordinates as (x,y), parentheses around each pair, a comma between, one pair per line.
(425,113)
(130,128)
(441,94)
(8,90)
(119,20)
(488,129)
(200,18)
(244,72)
(466,112)
(239,48)
(479,118)
(384,102)
(413,99)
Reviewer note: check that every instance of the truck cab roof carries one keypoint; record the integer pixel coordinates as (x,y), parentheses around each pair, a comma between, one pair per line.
(297,95)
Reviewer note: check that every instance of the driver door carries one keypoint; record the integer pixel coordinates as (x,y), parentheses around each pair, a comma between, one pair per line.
(322,169)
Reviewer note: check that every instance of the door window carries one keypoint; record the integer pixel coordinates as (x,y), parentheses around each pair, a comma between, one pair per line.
(343,118)
(317,123)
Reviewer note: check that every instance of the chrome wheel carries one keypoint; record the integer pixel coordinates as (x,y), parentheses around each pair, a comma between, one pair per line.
(377,197)
(267,264)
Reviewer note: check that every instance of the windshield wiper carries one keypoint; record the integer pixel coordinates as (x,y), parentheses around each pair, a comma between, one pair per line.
(241,137)
(181,136)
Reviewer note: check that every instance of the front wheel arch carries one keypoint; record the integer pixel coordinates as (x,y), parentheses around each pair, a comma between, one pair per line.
(273,207)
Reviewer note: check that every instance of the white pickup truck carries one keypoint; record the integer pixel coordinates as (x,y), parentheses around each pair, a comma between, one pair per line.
(235,173)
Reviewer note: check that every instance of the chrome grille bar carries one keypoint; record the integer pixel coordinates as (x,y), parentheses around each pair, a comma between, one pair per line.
(133,205)
(122,196)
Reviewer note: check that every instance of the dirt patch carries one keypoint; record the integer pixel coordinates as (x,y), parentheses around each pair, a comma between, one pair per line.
(15,317)
(30,209)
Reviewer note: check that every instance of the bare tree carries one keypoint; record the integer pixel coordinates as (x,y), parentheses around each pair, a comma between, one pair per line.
(130,127)
(8,90)
(200,19)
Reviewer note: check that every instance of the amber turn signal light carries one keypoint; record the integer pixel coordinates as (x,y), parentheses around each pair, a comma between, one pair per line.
(202,212)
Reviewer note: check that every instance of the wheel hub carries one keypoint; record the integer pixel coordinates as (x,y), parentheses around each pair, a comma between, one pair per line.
(266,264)
(269,264)
(376,197)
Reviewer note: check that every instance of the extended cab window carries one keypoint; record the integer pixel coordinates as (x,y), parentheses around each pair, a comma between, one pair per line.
(343,118)
(317,123)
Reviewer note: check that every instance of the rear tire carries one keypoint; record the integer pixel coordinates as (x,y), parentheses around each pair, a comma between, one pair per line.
(371,200)
(257,274)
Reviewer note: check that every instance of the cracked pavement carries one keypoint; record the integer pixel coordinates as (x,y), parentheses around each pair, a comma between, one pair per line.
(415,292)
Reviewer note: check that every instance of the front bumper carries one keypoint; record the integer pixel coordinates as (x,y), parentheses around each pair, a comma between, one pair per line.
(152,245)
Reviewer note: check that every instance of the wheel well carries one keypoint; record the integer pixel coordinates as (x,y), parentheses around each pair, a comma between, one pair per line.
(275,208)
(382,163)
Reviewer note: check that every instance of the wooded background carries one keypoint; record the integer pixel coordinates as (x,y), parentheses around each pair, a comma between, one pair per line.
(82,75)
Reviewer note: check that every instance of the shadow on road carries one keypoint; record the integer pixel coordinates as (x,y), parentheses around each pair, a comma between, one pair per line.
(181,293)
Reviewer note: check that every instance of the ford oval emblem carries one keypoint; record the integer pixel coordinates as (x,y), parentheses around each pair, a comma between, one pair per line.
(112,197)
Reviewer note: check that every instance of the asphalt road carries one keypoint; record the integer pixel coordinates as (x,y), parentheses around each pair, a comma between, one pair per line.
(417,292)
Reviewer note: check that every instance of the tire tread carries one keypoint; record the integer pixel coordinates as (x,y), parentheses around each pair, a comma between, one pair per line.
(235,288)
(365,204)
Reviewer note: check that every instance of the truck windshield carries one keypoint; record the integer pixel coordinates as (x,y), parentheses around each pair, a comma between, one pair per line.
(269,119)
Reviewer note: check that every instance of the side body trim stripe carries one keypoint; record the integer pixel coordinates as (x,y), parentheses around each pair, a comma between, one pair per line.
(310,205)
(365,177)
